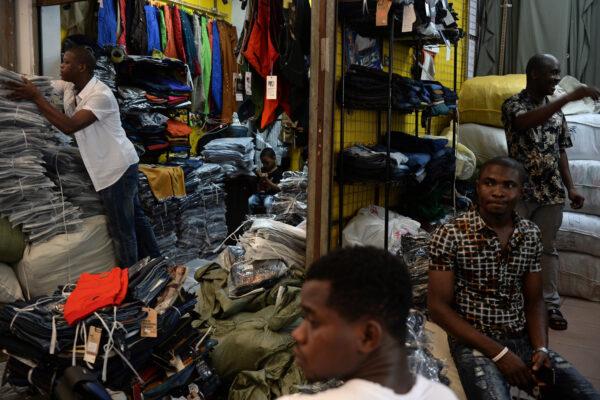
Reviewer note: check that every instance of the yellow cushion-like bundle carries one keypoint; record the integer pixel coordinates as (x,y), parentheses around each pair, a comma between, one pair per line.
(481,98)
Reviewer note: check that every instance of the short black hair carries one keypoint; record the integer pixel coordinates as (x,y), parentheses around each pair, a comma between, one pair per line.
(537,62)
(268,152)
(506,162)
(84,56)
(367,281)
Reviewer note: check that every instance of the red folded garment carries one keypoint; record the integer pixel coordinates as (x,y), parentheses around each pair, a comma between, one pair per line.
(95,291)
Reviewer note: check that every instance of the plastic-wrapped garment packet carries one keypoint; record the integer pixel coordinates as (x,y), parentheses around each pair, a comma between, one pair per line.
(414,249)
(246,277)
(420,359)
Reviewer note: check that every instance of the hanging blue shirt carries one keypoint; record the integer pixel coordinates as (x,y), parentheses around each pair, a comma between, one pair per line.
(107,24)
(217,72)
(152,28)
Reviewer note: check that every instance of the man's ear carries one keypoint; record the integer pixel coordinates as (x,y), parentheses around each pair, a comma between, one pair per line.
(371,335)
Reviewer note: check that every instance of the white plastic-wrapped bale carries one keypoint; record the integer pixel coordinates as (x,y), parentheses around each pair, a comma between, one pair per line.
(586,178)
(62,259)
(585,134)
(10,289)
(579,275)
(486,142)
(579,233)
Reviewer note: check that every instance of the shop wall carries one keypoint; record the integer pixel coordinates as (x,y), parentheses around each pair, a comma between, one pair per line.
(224,8)
(361,126)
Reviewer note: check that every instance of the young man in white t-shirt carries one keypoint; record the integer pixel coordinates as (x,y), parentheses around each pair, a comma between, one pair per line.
(92,117)
(355,302)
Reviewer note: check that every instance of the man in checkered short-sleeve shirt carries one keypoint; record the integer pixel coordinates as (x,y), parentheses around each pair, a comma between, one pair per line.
(485,290)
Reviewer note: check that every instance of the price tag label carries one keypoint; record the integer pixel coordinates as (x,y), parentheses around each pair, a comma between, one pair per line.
(149,324)
(272,87)
(248,83)
(93,345)
(408,18)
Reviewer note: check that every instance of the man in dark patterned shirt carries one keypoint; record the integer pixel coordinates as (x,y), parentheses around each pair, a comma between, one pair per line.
(537,136)
(485,290)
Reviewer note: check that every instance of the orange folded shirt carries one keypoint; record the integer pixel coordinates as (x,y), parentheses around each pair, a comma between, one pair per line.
(95,291)
(178,129)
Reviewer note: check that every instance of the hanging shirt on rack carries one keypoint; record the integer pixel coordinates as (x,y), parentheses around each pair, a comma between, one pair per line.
(170,50)
(107,24)
(261,52)
(122,40)
(137,41)
(163,30)
(206,63)
(198,94)
(178,33)
(228,38)
(188,41)
(152,29)
(217,72)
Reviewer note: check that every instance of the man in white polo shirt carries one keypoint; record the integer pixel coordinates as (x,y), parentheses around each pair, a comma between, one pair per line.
(92,116)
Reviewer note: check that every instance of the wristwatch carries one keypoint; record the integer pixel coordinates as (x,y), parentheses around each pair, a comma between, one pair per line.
(542,349)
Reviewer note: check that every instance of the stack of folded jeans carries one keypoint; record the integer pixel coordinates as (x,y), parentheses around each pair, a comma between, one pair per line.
(66,169)
(367,88)
(362,163)
(290,203)
(41,344)
(235,155)
(202,226)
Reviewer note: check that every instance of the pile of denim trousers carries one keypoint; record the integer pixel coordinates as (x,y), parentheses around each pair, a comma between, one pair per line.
(41,344)
(363,163)
(290,204)
(235,155)
(194,225)
(32,201)
(367,88)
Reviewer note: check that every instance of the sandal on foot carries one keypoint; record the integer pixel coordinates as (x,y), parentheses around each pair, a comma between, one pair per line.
(556,320)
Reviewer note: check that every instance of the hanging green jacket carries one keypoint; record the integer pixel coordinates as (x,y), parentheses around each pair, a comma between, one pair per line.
(163,29)
(206,65)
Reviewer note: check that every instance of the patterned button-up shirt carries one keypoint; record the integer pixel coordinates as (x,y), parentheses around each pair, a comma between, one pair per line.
(537,149)
(488,289)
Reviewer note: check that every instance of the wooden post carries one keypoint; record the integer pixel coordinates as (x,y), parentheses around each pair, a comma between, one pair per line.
(8,53)
(320,134)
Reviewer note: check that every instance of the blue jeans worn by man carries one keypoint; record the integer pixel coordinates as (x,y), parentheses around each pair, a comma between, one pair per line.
(481,378)
(131,231)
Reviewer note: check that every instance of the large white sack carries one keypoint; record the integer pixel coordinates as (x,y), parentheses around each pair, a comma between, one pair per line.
(10,289)
(586,178)
(367,228)
(579,275)
(585,134)
(63,258)
(569,84)
(579,233)
(486,142)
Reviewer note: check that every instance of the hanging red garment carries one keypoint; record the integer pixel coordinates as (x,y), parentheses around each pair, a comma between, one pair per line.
(122,39)
(261,52)
(171,50)
(95,291)
(178,33)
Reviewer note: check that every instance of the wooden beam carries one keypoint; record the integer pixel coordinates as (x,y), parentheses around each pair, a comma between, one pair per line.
(320,135)
(8,54)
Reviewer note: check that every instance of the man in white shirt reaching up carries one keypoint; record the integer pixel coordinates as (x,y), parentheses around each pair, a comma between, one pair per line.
(355,302)
(92,116)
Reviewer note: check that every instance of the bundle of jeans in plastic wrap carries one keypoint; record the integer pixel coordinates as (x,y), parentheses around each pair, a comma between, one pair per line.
(128,357)
(290,205)
(420,359)
(367,88)
(414,250)
(105,72)
(66,169)
(360,16)
(28,198)
(362,163)
(235,155)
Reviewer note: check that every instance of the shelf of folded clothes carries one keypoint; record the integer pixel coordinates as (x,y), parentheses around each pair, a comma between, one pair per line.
(367,89)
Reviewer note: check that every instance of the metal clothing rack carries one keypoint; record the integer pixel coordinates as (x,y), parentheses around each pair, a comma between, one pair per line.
(208,11)
(417,42)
